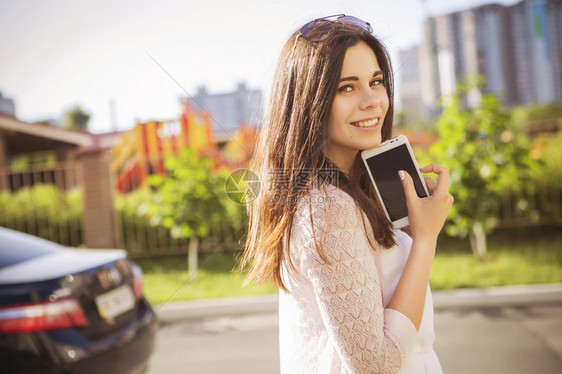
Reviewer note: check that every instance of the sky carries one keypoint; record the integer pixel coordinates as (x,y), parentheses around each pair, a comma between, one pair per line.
(140,57)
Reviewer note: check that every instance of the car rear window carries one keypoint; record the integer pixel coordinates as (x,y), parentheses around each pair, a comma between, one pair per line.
(16,247)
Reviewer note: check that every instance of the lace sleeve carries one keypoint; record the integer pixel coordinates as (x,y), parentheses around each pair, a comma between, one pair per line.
(368,338)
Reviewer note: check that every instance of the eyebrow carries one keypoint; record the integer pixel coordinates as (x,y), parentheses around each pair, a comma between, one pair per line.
(378,72)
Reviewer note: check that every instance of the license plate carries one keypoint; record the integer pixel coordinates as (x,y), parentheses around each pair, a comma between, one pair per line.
(115,302)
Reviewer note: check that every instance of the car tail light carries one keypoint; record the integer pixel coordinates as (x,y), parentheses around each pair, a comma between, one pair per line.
(42,316)
(137,281)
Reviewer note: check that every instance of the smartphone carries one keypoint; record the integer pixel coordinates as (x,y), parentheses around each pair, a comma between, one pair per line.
(383,163)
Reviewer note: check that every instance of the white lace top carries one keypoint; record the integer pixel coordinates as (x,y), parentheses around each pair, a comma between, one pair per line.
(334,319)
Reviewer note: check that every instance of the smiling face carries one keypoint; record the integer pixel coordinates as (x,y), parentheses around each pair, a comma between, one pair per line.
(359,107)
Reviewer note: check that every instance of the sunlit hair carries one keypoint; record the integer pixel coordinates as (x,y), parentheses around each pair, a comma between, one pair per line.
(294,138)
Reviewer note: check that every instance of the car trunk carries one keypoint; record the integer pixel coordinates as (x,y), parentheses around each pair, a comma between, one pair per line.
(71,310)
(105,284)
(107,296)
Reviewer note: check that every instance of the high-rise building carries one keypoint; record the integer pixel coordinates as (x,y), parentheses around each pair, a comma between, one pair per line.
(554,18)
(229,110)
(517,48)
(411,85)
(7,106)
(535,40)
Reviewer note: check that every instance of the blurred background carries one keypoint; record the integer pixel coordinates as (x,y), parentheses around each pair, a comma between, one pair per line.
(122,121)
(107,106)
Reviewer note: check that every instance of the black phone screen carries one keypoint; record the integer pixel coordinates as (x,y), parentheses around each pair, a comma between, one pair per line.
(384,169)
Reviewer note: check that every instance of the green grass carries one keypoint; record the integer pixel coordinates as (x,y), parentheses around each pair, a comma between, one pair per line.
(514,257)
(167,279)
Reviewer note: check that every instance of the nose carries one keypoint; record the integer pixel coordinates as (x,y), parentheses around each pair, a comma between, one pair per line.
(370,97)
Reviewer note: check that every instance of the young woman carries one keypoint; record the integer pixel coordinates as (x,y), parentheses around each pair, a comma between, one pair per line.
(354,293)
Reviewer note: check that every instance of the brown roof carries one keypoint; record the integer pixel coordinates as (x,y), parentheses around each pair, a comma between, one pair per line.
(23,137)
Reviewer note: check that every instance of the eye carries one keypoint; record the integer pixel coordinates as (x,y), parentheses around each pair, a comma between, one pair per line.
(346,88)
(377,82)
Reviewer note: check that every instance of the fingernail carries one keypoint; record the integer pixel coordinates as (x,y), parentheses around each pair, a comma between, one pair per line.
(401,174)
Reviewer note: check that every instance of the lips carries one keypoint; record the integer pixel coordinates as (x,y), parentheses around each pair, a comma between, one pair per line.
(369,122)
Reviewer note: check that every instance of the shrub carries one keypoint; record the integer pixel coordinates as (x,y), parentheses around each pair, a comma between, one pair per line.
(45,211)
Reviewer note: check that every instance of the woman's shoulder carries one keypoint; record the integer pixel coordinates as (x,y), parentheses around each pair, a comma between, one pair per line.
(331,193)
(326,218)
(327,207)
(325,198)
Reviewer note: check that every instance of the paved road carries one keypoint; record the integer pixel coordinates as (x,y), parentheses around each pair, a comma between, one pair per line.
(509,339)
(523,335)
(225,345)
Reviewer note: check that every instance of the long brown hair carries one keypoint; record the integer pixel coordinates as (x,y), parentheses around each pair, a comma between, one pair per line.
(293,139)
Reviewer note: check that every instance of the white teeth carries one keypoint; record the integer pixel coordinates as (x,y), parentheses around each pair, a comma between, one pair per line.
(370,123)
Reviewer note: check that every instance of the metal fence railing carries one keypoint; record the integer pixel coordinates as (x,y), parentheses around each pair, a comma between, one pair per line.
(141,239)
(534,205)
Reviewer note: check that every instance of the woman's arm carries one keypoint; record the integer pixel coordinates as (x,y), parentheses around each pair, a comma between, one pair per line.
(427,216)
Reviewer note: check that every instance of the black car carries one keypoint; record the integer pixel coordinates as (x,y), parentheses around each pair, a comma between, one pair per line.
(68,310)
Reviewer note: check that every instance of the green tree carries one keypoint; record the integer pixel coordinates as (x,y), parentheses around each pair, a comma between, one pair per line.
(485,156)
(76,119)
(189,200)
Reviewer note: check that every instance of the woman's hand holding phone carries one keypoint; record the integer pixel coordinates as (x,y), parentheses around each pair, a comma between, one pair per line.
(427,214)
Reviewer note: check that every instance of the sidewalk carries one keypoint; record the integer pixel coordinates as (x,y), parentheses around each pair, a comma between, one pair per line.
(516,330)
(443,300)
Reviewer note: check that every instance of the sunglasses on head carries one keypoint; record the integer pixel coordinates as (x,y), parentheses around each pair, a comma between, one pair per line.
(321,28)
